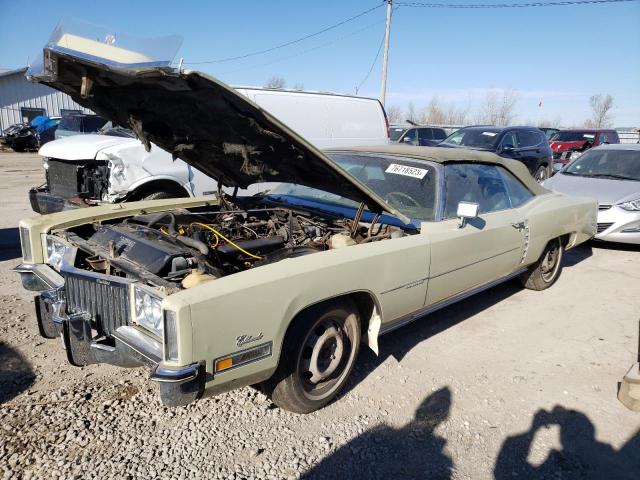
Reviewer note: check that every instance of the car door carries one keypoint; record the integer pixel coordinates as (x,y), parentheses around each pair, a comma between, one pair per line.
(425,137)
(529,149)
(410,137)
(488,248)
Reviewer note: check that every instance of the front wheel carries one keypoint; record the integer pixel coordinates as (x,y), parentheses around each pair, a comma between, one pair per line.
(546,270)
(318,354)
(157,195)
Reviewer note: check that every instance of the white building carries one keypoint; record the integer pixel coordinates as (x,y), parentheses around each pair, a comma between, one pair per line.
(22,100)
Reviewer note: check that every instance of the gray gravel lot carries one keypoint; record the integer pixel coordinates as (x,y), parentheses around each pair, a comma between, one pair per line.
(508,384)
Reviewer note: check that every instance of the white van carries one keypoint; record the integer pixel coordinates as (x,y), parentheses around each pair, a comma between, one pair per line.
(94,169)
(326,120)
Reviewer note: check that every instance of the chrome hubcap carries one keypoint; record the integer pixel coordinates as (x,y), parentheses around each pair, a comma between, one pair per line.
(550,263)
(326,354)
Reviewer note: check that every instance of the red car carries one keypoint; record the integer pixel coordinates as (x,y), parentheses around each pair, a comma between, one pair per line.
(565,142)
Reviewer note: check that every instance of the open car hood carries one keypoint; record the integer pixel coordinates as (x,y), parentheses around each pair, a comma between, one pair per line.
(202,121)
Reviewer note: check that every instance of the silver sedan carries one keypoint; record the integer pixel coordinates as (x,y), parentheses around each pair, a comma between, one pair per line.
(610,174)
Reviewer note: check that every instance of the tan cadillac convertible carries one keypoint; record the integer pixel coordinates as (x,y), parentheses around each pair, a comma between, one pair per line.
(278,288)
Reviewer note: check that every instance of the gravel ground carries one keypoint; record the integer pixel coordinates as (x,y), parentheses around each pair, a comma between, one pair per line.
(508,384)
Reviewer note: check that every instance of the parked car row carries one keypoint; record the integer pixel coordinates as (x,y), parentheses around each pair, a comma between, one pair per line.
(32,135)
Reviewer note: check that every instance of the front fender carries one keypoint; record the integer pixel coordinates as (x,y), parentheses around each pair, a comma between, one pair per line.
(262,302)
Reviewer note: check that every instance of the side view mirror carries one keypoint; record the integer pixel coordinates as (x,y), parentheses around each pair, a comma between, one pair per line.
(408,140)
(466,211)
(507,148)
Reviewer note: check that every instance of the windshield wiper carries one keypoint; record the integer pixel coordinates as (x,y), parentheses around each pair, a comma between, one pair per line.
(613,175)
(574,173)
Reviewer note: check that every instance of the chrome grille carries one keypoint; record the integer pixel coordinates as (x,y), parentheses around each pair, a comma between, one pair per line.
(603,226)
(106,300)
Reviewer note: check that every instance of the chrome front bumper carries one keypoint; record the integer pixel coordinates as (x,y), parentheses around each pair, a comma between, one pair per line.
(127,347)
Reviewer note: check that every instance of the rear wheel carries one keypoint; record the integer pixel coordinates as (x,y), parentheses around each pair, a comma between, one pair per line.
(318,354)
(546,270)
(541,174)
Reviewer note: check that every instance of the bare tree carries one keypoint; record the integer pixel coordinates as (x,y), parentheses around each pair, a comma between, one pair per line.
(298,86)
(456,116)
(433,113)
(276,82)
(555,123)
(394,114)
(498,110)
(437,113)
(601,106)
(411,115)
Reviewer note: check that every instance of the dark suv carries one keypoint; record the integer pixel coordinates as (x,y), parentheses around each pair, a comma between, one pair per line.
(423,136)
(525,144)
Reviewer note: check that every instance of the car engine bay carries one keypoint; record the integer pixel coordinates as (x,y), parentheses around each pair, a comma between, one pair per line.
(183,248)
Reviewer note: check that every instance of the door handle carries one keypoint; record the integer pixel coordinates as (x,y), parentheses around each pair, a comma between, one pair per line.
(518,226)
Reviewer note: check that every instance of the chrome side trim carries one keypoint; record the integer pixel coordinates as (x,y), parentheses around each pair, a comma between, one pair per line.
(402,321)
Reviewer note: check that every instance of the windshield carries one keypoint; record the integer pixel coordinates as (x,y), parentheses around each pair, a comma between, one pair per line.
(572,137)
(72,123)
(395,133)
(115,131)
(408,185)
(615,164)
(486,139)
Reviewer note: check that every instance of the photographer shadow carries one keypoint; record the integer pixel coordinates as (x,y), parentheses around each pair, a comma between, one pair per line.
(16,374)
(385,452)
(581,456)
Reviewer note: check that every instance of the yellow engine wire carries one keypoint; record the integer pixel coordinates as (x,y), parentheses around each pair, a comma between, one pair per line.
(219,235)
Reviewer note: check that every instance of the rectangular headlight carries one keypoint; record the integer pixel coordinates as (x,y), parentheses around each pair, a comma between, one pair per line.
(56,249)
(25,244)
(170,335)
(148,312)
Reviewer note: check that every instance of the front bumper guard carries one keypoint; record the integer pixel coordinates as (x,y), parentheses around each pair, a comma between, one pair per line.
(629,390)
(127,347)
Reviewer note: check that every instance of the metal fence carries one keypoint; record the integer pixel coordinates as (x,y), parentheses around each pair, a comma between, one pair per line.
(629,137)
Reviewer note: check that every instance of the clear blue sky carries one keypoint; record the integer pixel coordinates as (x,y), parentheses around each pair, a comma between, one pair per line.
(560,55)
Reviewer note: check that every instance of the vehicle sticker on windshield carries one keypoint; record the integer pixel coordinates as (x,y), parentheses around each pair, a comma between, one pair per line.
(406,171)
(489,134)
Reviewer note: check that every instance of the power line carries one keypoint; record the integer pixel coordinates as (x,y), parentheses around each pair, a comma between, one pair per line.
(286,44)
(373,64)
(509,5)
(303,52)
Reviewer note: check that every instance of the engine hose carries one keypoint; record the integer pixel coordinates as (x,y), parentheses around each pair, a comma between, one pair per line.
(202,247)
(171,228)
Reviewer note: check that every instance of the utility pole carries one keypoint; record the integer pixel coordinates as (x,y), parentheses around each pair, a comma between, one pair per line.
(385,58)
